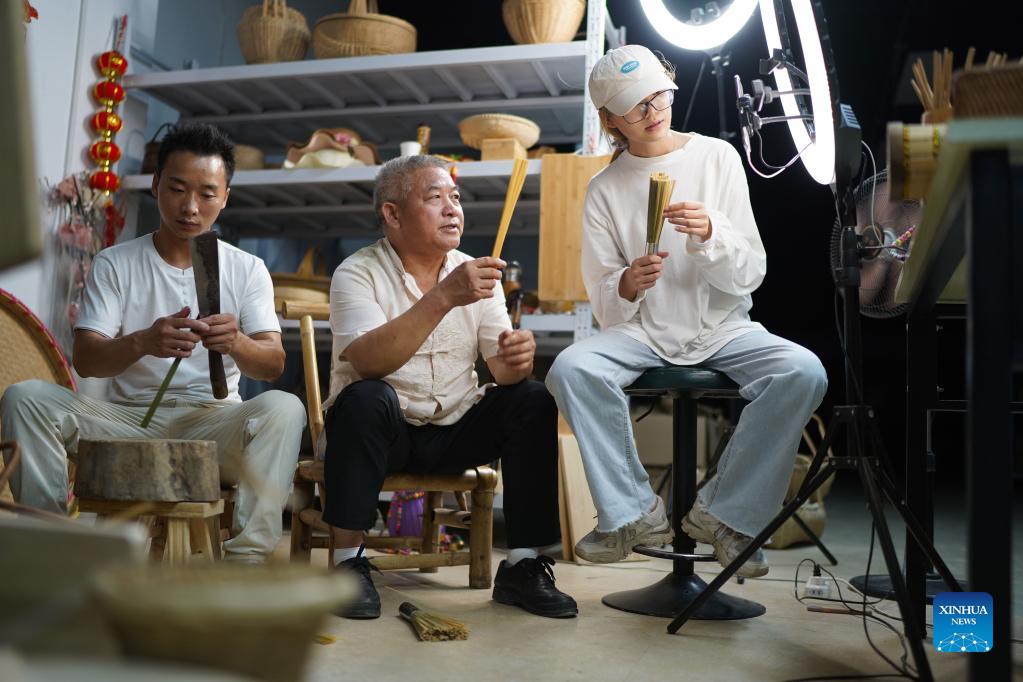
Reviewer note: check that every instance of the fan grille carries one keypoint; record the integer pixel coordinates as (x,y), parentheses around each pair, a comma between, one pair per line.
(879,222)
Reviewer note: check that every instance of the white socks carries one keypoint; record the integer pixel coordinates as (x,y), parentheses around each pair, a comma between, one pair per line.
(344,554)
(517,555)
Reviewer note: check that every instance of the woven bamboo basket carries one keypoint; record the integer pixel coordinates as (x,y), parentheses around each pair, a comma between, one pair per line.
(247,157)
(475,129)
(981,93)
(257,621)
(273,32)
(309,283)
(362,31)
(152,150)
(30,352)
(542,21)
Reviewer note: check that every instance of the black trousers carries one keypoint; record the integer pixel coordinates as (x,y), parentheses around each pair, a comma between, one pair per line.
(368,437)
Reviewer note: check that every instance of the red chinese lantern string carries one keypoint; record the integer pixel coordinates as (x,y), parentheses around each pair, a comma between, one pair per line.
(109,93)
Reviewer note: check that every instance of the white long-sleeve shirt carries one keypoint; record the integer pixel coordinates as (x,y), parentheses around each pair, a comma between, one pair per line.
(703,298)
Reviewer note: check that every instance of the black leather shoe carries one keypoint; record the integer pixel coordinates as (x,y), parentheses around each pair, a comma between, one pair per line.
(529,584)
(367,603)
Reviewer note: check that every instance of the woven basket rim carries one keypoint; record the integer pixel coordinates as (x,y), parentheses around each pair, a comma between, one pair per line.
(385,18)
(45,342)
(127,592)
(496,114)
(512,118)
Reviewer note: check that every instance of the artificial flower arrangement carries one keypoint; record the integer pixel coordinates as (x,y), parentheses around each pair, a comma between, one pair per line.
(85,222)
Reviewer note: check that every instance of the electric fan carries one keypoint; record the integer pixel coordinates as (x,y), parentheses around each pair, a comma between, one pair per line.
(884,229)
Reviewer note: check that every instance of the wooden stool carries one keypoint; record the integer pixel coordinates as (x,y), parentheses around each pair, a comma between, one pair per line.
(181,530)
(174,482)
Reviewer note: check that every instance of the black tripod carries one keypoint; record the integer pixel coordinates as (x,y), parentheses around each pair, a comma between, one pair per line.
(865,454)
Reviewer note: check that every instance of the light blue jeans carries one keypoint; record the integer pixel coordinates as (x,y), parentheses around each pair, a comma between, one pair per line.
(783,381)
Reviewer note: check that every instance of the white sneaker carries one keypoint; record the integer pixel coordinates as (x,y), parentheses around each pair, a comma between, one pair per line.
(240,559)
(701,526)
(651,529)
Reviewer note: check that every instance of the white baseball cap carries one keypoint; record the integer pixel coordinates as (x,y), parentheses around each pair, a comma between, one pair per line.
(625,76)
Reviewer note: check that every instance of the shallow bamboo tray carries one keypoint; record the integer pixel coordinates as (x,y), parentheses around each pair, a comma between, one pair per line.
(475,129)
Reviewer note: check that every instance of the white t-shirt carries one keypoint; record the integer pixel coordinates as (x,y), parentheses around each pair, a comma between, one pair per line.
(703,298)
(439,383)
(130,285)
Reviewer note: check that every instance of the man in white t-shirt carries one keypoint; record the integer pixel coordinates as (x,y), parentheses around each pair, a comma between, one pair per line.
(410,315)
(138,316)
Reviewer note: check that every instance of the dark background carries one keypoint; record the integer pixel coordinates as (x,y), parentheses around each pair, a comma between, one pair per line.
(873,43)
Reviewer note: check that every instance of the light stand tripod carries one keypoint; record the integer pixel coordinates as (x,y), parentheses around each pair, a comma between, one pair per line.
(719,59)
(865,450)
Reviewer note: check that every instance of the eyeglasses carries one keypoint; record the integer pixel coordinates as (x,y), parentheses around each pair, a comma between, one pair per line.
(659,102)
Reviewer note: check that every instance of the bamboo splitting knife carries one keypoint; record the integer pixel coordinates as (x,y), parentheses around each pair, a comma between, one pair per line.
(206,271)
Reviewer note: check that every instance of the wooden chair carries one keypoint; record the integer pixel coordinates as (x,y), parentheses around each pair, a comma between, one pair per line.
(479,483)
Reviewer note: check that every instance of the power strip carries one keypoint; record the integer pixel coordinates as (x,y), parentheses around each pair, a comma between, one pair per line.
(818,587)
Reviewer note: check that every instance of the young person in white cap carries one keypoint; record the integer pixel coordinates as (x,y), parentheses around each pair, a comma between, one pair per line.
(688,304)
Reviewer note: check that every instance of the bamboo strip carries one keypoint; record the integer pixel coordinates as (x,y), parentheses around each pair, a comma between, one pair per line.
(518,177)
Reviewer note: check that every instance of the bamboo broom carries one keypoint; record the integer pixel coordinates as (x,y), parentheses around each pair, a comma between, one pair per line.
(431,627)
(661,187)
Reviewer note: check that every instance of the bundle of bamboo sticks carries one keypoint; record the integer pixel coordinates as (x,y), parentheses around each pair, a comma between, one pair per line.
(518,177)
(661,187)
(994,59)
(936,96)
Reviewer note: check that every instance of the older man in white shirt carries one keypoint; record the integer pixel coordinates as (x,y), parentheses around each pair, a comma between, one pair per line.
(410,315)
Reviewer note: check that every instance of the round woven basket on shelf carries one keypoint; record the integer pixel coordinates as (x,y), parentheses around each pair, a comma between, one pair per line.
(542,21)
(272,32)
(475,129)
(247,157)
(361,32)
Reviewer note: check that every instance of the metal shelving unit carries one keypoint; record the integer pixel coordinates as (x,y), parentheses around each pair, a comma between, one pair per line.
(312,202)
(383,98)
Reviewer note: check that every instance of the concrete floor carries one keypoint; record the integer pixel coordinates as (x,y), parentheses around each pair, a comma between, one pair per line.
(604,644)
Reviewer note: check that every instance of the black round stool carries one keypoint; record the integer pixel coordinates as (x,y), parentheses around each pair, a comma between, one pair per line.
(670,595)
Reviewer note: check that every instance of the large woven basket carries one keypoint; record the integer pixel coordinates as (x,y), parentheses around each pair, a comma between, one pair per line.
(257,621)
(542,21)
(980,93)
(475,129)
(362,31)
(29,352)
(273,32)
